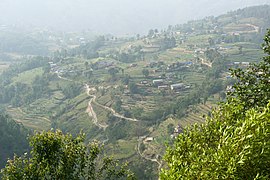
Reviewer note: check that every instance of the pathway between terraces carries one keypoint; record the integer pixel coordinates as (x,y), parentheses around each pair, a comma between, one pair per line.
(88,89)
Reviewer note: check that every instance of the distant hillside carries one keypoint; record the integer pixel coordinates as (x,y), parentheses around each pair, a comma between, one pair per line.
(148,87)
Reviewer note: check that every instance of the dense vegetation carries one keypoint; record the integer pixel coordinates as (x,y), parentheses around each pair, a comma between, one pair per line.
(234,142)
(58,156)
(13,139)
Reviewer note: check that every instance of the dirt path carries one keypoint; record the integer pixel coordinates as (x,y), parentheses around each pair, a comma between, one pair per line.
(206,62)
(147,158)
(90,109)
(255,30)
(88,89)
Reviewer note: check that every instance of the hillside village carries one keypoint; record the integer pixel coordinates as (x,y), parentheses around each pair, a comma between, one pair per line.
(149,86)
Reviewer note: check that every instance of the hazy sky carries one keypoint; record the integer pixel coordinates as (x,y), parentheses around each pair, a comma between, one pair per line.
(113,16)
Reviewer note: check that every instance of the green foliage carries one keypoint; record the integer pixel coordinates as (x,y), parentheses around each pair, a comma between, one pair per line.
(71,90)
(235,142)
(13,139)
(145,72)
(58,156)
(119,131)
(253,87)
(133,88)
(19,93)
(167,43)
(231,145)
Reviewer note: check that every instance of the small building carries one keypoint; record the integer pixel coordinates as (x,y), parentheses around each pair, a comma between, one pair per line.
(177,86)
(53,65)
(163,87)
(158,82)
(149,139)
(144,82)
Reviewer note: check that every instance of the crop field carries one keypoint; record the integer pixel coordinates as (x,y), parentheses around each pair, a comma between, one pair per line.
(31,121)
(123,149)
(28,77)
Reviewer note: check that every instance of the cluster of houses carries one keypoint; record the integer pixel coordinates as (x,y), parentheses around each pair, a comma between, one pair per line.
(178,65)
(55,68)
(161,84)
(103,64)
(58,70)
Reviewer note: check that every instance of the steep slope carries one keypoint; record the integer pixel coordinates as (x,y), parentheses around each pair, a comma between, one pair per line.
(13,139)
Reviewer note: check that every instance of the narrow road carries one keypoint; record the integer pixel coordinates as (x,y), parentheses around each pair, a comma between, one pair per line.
(147,158)
(88,89)
(93,115)
(90,109)
(206,62)
(255,30)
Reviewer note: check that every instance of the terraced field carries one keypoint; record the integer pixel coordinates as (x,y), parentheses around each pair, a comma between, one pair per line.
(31,121)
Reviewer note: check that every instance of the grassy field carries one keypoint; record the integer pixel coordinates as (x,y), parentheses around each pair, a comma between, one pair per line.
(123,149)
(31,121)
(28,77)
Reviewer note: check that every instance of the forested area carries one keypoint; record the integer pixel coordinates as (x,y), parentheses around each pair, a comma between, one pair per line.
(19,93)
(13,139)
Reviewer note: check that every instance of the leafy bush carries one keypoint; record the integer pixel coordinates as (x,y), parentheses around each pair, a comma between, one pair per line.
(231,145)
(58,156)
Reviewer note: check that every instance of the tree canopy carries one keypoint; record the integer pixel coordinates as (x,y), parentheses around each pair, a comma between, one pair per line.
(253,84)
(55,155)
(235,142)
(13,138)
(230,145)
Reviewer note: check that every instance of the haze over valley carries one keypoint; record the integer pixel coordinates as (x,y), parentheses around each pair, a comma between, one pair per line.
(119,17)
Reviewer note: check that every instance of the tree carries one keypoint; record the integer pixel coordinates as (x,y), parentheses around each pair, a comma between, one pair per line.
(240,48)
(211,41)
(252,87)
(13,138)
(133,88)
(145,72)
(86,65)
(58,156)
(231,145)
(151,32)
(235,142)
(113,71)
(170,129)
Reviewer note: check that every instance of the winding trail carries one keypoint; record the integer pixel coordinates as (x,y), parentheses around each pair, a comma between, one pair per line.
(255,30)
(206,62)
(88,89)
(90,109)
(93,115)
(147,158)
